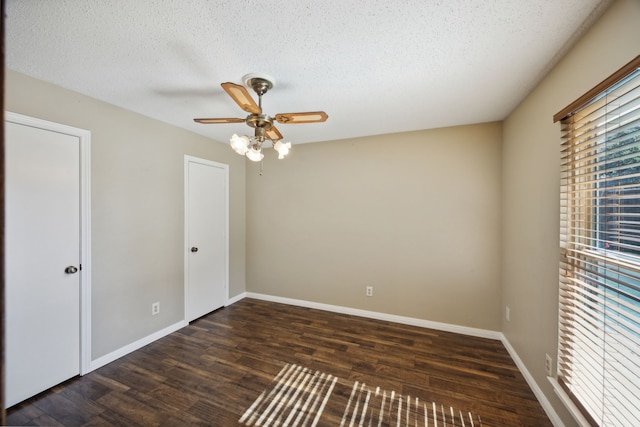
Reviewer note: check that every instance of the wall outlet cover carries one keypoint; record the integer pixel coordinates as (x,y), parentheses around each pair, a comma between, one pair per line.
(548,365)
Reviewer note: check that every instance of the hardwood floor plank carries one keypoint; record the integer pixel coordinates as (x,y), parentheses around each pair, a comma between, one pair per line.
(174,397)
(210,372)
(67,410)
(44,420)
(25,414)
(131,409)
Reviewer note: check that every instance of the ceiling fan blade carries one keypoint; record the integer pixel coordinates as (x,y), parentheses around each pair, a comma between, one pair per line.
(310,117)
(273,134)
(216,121)
(242,97)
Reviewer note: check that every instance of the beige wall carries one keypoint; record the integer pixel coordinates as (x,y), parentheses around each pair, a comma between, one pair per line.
(531,174)
(415,215)
(137,209)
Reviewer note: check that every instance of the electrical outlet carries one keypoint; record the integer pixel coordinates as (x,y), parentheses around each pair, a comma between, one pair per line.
(369,291)
(548,365)
(155,308)
(508,314)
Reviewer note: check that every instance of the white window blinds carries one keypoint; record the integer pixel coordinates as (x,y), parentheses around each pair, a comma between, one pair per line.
(599,311)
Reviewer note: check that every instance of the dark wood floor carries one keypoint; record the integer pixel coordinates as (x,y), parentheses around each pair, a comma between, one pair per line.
(211,371)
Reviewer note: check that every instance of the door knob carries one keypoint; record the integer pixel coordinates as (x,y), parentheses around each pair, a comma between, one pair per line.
(194,249)
(71,269)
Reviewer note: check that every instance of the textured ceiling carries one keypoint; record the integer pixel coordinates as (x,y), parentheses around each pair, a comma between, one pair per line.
(374,66)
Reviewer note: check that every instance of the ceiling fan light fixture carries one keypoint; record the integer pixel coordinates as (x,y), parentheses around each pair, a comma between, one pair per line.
(282,148)
(255,154)
(240,144)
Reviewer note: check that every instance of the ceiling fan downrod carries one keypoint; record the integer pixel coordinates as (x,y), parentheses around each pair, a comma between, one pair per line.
(260,85)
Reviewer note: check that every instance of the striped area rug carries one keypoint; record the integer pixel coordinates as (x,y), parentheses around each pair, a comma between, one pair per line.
(301,397)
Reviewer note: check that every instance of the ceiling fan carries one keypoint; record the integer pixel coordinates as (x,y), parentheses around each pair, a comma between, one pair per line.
(262,123)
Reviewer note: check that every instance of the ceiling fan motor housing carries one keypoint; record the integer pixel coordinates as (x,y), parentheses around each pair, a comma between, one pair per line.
(259,121)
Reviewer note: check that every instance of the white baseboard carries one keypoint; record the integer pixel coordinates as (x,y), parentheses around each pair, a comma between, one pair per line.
(546,405)
(235,299)
(123,351)
(482,333)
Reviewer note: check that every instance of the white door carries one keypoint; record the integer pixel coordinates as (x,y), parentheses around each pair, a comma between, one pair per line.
(42,259)
(206,259)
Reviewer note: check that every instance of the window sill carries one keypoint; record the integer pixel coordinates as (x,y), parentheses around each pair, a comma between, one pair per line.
(566,401)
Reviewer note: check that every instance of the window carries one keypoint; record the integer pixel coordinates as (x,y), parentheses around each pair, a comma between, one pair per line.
(599,306)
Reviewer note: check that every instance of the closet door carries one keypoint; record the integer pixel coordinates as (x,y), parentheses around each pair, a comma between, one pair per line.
(42,259)
(206,261)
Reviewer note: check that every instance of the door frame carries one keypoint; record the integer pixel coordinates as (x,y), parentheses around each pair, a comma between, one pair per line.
(191,159)
(84,137)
